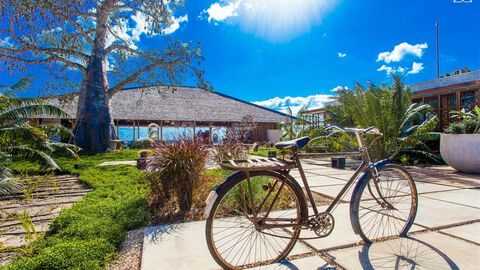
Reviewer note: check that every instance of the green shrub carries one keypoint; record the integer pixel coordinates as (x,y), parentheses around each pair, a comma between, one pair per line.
(85,236)
(467,126)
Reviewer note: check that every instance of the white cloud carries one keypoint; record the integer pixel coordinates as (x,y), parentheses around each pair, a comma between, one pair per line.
(341,55)
(401,50)
(416,68)
(175,24)
(131,31)
(219,13)
(390,70)
(296,103)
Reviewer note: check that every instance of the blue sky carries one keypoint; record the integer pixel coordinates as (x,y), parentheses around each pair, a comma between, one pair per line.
(268,50)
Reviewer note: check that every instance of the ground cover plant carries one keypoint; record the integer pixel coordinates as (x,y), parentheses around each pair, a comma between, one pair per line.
(263,151)
(86,235)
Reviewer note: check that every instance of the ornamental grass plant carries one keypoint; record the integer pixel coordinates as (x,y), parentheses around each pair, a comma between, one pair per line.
(175,171)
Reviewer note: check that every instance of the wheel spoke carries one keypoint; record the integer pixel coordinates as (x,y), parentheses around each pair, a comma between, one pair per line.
(232,234)
(389,208)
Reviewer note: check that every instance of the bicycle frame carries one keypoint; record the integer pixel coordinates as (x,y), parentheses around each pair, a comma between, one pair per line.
(366,165)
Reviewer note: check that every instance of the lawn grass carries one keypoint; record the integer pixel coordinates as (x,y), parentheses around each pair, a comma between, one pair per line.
(86,235)
(263,151)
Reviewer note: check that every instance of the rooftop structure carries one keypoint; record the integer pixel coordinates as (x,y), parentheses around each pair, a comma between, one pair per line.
(181,107)
(455,92)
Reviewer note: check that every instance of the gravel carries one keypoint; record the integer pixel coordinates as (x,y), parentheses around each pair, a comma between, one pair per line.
(129,257)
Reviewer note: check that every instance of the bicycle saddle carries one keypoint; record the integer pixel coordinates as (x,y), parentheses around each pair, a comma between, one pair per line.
(296,144)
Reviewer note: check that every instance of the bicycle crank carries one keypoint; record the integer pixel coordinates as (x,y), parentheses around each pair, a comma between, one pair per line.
(322,224)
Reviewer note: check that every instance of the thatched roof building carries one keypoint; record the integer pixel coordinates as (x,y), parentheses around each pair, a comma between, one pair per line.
(181,106)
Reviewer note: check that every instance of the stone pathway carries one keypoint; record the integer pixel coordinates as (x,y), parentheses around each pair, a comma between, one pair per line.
(45,202)
(445,235)
(126,162)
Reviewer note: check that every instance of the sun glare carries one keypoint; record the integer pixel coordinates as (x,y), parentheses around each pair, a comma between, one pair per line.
(282,20)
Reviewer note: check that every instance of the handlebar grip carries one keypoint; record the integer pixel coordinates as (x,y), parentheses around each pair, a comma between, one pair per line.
(372,130)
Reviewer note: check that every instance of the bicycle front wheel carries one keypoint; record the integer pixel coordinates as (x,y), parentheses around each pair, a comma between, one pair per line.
(385,206)
(236,238)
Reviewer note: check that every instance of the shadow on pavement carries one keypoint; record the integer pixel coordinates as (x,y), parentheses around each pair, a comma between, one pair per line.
(404,253)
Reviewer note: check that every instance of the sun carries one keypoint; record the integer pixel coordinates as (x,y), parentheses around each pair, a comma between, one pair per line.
(282,20)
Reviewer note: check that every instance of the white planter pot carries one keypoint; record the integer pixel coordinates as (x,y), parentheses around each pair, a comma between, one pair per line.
(461,151)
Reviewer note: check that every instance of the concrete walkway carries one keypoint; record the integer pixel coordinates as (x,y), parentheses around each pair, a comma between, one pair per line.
(445,235)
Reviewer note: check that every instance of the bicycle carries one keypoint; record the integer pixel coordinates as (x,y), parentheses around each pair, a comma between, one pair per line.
(256,215)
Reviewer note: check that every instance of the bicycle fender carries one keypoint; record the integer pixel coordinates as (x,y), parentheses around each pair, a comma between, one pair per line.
(212,197)
(365,177)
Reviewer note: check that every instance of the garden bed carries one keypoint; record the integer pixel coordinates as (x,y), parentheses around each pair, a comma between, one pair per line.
(86,235)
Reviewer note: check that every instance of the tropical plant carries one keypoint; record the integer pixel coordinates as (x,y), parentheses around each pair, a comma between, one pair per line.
(175,171)
(295,126)
(389,108)
(469,122)
(8,184)
(20,140)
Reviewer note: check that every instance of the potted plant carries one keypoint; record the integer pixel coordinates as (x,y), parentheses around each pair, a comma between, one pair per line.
(460,144)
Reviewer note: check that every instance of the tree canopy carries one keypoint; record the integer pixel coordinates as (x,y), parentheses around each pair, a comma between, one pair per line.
(65,35)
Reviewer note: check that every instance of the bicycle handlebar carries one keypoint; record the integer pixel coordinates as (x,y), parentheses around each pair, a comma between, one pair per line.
(370,130)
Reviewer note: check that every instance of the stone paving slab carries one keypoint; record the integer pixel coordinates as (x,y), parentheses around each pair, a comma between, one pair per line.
(126,162)
(445,175)
(183,246)
(312,262)
(468,231)
(433,213)
(466,197)
(430,250)
(423,187)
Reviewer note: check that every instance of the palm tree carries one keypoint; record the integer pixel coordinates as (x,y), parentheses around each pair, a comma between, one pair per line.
(389,108)
(295,126)
(20,140)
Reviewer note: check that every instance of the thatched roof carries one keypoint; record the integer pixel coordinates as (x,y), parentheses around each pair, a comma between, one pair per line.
(184,104)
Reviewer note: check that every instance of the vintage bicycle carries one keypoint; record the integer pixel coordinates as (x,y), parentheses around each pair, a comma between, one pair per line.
(256,215)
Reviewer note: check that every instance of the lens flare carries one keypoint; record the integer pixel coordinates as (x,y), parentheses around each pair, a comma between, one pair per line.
(281,20)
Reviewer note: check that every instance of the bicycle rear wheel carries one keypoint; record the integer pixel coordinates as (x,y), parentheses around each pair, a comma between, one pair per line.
(232,237)
(386,206)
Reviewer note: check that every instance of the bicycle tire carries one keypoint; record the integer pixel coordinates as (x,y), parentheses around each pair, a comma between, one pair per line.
(373,217)
(228,187)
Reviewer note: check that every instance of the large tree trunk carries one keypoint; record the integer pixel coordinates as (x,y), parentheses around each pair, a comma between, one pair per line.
(94,126)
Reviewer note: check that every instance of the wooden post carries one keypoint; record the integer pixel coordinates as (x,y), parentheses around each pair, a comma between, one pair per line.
(133,130)
(118,135)
(439,112)
(194,133)
(210,133)
(161,130)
